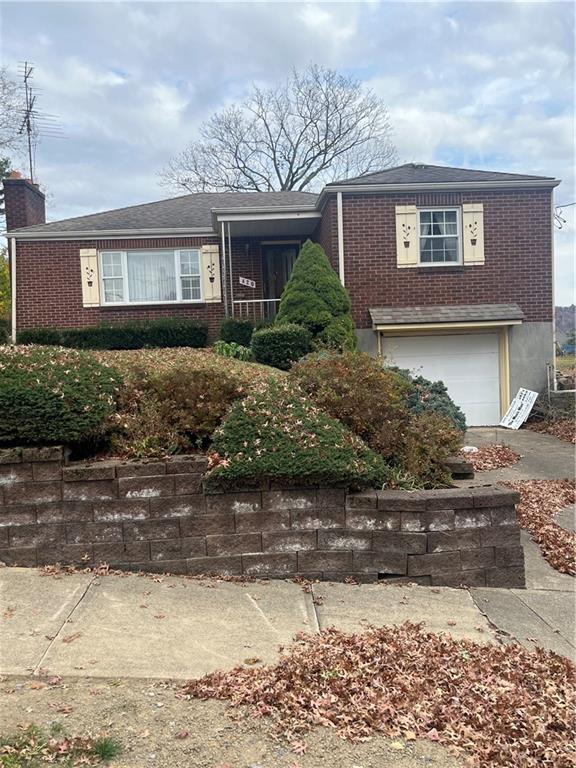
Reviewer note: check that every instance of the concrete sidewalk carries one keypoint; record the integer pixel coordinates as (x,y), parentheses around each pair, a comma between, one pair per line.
(170,627)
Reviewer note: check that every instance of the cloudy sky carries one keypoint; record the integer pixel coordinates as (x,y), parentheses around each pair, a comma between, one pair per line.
(473,84)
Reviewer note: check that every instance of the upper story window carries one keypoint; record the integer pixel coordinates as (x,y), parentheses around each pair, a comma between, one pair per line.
(439,236)
(150,277)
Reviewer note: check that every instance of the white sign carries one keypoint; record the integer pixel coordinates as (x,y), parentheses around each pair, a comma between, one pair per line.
(519,409)
(248,282)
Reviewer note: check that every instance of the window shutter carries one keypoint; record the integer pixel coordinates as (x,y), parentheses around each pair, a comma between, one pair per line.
(473,233)
(211,287)
(407,242)
(90,277)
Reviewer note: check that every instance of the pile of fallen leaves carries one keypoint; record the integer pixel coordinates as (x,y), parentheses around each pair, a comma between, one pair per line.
(491,457)
(500,705)
(32,747)
(563,429)
(540,501)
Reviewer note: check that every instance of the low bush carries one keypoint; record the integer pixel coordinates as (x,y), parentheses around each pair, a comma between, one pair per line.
(43,336)
(356,389)
(277,433)
(387,409)
(429,438)
(163,332)
(281,345)
(237,331)
(426,396)
(231,349)
(52,395)
(171,400)
(5,328)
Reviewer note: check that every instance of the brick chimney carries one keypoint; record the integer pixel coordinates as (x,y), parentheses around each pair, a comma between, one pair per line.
(24,203)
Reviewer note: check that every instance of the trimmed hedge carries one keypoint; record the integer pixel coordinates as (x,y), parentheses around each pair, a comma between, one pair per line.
(163,332)
(237,331)
(52,395)
(278,434)
(281,345)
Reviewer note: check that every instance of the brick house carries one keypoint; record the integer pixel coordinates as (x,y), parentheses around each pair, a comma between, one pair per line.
(450,271)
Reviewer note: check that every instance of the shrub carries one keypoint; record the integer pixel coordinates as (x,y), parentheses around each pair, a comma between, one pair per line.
(429,439)
(231,349)
(374,402)
(315,298)
(172,399)
(53,395)
(44,336)
(278,433)
(354,388)
(163,332)
(426,396)
(5,327)
(280,345)
(237,331)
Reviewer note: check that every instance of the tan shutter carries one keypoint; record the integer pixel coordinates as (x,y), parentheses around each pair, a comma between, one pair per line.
(210,265)
(90,277)
(473,233)
(406,236)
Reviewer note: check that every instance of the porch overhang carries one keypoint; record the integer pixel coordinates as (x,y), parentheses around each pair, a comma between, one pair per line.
(292,222)
(434,318)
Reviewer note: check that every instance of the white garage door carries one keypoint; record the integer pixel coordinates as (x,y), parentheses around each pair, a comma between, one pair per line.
(467,363)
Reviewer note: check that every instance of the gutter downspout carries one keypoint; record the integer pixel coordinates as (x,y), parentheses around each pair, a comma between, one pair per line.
(552,234)
(230,268)
(340,237)
(223,272)
(13,285)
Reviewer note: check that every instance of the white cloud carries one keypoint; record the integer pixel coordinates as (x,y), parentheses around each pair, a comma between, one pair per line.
(472,84)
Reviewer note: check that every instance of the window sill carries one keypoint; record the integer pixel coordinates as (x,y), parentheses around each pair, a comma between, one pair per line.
(440,268)
(144,304)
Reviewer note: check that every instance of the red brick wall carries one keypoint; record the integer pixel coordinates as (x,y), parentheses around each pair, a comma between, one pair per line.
(518,268)
(49,291)
(326,232)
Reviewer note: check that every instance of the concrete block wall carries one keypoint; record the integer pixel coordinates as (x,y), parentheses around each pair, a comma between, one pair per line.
(154,516)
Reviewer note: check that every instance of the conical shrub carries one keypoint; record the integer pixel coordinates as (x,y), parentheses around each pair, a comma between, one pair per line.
(315,298)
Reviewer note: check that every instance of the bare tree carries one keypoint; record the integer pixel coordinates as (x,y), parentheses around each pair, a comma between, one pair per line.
(11,112)
(315,127)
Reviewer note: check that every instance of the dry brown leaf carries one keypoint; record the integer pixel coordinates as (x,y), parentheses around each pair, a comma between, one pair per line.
(491,456)
(495,706)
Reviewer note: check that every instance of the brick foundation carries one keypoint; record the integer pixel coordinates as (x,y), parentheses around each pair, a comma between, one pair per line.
(154,516)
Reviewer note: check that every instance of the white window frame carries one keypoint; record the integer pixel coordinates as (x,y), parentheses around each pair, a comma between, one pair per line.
(178,275)
(435,209)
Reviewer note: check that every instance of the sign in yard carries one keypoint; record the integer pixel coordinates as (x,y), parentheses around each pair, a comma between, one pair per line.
(248,282)
(519,409)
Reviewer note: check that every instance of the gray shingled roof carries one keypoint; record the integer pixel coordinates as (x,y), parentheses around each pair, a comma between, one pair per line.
(464,313)
(418,173)
(190,211)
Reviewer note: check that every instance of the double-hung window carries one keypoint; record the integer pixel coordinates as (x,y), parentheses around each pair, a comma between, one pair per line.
(439,236)
(150,277)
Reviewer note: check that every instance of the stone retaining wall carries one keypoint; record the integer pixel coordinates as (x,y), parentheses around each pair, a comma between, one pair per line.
(154,516)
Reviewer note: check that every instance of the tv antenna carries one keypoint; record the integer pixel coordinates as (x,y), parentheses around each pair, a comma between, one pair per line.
(34,122)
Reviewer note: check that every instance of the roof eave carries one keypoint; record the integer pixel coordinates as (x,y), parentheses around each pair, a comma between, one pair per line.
(108,234)
(432,186)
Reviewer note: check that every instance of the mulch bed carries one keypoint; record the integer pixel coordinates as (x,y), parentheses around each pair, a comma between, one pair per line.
(491,705)
(540,501)
(563,429)
(491,457)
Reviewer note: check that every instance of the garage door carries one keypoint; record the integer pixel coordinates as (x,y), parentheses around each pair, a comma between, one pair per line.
(468,364)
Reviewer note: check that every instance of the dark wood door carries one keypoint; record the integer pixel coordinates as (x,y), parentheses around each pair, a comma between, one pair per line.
(278,260)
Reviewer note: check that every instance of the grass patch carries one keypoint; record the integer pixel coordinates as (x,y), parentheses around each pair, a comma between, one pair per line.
(32,748)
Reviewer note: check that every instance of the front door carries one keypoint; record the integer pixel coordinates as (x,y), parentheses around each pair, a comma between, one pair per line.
(277,262)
